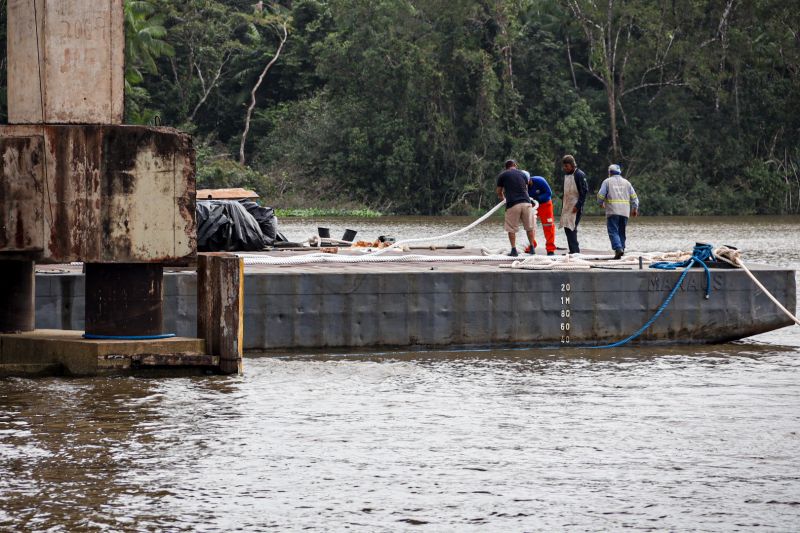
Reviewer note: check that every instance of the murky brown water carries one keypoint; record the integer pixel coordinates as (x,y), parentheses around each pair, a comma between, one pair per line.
(701,438)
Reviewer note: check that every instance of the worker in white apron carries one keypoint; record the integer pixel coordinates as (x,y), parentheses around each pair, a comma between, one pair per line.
(575,191)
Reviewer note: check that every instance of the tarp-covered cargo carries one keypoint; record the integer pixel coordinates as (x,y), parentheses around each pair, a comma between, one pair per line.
(228,226)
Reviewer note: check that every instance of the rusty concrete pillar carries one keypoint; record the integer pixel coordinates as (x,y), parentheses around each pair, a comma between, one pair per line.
(124,299)
(66,61)
(17,296)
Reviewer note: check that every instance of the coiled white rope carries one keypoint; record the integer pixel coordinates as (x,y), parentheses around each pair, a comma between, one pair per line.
(454,233)
(586,261)
(564,262)
(371,258)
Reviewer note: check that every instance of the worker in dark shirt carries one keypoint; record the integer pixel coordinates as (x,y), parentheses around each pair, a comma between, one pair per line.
(539,190)
(575,191)
(512,186)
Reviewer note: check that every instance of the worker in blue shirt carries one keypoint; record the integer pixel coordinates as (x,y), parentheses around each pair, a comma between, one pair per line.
(539,190)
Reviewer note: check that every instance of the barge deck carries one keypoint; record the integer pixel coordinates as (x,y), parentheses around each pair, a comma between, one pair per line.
(334,305)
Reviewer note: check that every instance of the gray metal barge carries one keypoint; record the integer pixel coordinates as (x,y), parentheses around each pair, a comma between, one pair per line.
(400,305)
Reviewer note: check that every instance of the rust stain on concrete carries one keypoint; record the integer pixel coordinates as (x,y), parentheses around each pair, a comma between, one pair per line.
(111,193)
(21,217)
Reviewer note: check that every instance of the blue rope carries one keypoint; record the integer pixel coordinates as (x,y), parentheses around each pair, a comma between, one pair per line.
(91,336)
(700,254)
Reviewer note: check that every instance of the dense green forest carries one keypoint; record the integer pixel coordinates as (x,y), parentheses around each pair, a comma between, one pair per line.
(410,106)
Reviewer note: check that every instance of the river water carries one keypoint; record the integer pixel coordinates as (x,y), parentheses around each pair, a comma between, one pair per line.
(701,438)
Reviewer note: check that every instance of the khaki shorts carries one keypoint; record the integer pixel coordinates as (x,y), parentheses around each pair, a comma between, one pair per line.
(519,213)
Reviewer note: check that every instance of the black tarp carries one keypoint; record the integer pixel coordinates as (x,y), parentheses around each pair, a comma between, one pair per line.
(265,217)
(228,226)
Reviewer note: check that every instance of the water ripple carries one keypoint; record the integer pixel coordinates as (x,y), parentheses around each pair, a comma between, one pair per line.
(666,438)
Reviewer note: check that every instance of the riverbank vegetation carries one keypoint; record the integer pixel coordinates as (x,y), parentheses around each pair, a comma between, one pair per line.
(410,106)
(316,212)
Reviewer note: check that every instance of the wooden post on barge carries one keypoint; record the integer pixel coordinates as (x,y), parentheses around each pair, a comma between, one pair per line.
(220,307)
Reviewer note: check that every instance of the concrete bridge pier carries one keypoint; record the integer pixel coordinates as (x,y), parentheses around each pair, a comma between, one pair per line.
(17,296)
(78,186)
(126,299)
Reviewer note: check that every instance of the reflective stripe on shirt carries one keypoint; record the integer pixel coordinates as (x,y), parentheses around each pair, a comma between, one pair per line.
(617,194)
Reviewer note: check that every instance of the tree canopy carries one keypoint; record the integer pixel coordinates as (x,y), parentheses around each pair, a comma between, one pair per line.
(411,106)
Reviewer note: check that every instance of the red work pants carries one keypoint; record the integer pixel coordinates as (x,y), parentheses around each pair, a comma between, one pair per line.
(545,214)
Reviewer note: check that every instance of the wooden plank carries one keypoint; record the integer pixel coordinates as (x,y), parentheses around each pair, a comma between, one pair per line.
(226,194)
(205,301)
(202,298)
(174,360)
(230,274)
(220,307)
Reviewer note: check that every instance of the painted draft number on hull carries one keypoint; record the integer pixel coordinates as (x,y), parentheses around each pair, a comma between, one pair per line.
(566,312)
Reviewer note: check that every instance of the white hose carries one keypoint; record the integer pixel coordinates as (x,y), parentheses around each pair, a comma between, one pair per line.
(377,257)
(457,232)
